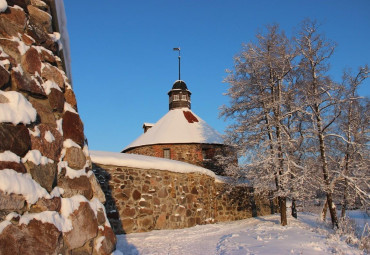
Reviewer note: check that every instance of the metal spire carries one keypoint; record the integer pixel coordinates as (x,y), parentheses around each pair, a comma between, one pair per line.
(178,49)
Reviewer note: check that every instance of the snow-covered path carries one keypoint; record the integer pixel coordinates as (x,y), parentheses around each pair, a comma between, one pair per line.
(261,235)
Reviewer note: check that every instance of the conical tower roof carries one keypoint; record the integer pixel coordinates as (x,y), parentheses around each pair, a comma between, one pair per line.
(179,126)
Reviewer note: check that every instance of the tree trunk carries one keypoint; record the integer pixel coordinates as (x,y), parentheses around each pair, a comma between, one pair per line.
(294,208)
(333,213)
(344,202)
(347,158)
(324,210)
(325,171)
(283,216)
(272,204)
(277,114)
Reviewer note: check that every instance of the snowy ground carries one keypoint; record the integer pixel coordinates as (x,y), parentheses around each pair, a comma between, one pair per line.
(261,235)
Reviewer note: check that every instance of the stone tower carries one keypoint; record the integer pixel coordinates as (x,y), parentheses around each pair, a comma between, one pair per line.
(50,201)
(181,135)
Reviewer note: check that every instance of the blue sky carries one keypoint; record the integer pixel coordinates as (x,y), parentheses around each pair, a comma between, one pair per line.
(123,64)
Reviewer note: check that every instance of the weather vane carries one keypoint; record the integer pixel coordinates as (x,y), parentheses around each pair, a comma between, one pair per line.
(178,49)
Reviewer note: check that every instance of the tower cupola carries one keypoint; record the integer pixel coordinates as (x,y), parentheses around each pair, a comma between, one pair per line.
(179,96)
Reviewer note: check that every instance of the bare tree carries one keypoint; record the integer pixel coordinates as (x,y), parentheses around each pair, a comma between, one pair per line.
(298,132)
(320,96)
(258,92)
(351,141)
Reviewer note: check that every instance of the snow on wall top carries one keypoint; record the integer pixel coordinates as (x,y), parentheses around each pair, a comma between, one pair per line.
(146,162)
(175,127)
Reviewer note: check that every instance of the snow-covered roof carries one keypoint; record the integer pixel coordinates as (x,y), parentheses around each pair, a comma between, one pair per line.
(178,126)
(146,162)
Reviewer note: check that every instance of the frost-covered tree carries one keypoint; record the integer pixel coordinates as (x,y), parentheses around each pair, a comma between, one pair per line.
(320,97)
(259,90)
(299,133)
(351,141)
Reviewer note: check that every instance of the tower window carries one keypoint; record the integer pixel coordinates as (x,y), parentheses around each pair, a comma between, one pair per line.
(183,97)
(176,98)
(167,153)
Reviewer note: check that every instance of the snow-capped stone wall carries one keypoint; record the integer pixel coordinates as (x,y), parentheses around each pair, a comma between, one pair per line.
(146,193)
(50,201)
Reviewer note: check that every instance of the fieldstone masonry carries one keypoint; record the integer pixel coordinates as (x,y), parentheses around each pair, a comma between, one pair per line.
(141,200)
(45,151)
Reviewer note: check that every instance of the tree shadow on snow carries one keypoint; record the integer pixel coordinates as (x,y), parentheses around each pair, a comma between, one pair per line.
(267,220)
(125,247)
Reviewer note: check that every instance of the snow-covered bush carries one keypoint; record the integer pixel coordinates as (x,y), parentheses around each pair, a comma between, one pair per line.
(348,231)
(365,239)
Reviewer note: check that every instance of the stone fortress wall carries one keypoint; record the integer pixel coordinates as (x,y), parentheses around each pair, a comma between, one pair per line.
(141,200)
(50,201)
